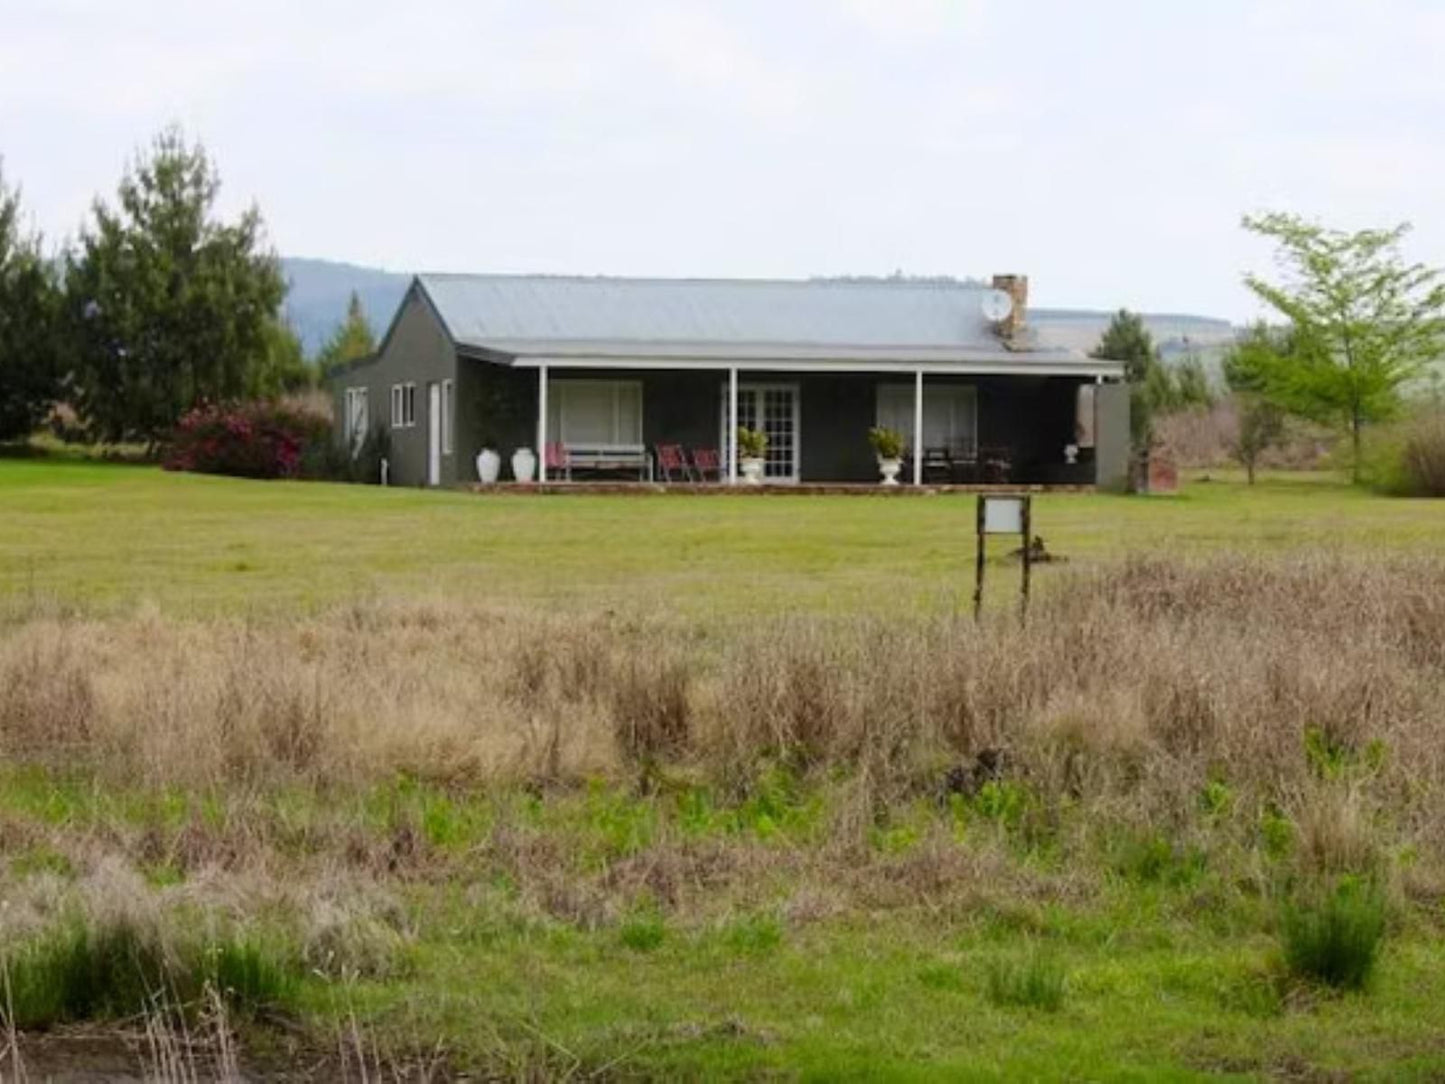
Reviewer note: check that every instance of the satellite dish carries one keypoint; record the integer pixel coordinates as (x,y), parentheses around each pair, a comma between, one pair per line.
(996,306)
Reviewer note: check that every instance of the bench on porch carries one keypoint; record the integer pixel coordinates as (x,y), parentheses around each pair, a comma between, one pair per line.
(566,458)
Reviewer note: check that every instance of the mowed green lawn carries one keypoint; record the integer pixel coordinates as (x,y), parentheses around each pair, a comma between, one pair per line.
(108,536)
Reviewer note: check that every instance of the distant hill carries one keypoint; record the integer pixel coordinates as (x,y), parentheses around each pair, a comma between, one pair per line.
(320,289)
(1176,334)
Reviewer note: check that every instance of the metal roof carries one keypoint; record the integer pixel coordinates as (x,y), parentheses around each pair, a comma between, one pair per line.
(660,320)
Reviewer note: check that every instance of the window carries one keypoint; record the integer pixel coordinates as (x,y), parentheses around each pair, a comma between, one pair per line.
(950,415)
(354,423)
(446,417)
(403,406)
(587,412)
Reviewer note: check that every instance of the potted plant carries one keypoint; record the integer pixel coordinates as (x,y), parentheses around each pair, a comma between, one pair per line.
(888,447)
(524,464)
(489,463)
(752,451)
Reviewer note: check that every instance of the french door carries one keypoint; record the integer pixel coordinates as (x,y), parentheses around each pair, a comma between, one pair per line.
(773,409)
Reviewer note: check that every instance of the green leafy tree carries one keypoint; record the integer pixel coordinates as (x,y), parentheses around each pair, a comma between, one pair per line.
(29,300)
(352,339)
(283,368)
(1127,340)
(169,306)
(1260,423)
(1365,323)
(1190,386)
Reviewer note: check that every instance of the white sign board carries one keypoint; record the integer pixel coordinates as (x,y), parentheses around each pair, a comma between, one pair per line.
(1003,515)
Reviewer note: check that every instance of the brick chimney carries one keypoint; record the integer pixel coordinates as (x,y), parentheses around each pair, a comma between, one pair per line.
(1017,287)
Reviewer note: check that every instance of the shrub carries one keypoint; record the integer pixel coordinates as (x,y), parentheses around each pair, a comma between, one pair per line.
(1335,938)
(247,440)
(1036,981)
(1407,459)
(1422,456)
(887,443)
(752,443)
(331,461)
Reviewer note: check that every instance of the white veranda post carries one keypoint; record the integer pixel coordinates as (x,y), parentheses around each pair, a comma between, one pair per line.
(918,427)
(542,423)
(732,433)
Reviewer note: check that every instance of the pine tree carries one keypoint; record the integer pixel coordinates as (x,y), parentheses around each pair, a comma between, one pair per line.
(352,339)
(168,305)
(29,301)
(1127,340)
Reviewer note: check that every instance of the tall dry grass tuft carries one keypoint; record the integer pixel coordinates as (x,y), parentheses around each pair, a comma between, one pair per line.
(1130,691)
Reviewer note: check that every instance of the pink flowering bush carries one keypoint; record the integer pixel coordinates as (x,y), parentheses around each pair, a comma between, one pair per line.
(248,440)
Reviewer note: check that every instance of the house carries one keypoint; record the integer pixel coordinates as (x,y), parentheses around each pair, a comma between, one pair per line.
(558,362)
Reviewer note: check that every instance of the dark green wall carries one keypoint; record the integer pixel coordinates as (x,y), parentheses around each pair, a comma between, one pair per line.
(496,407)
(417,350)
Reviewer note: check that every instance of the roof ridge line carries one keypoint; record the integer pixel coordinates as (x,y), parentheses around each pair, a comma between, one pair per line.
(701,280)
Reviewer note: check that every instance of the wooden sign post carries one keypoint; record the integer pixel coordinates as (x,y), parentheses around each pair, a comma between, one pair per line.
(1004,514)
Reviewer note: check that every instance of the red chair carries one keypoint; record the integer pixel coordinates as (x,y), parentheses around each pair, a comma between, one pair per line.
(558,460)
(670,458)
(705,462)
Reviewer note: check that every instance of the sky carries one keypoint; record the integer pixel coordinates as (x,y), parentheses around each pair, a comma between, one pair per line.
(1106,149)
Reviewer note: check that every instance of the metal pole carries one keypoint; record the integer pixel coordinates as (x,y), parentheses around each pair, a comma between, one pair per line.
(918,427)
(542,423)
(1028,556)
(732,433)
(978,569)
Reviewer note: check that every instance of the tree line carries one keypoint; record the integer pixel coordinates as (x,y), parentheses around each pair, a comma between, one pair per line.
(158,306)
(1356,327)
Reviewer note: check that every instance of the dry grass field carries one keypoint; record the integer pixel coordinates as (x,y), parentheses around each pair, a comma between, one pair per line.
(716,788)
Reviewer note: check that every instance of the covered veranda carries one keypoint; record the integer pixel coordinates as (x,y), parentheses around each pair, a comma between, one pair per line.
(983,422)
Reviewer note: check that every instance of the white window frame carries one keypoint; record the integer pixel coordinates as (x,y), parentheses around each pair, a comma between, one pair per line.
(446,418)
(557,405)
(902,411)
(403,406)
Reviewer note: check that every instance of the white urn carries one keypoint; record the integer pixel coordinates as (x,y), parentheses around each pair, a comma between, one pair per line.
(524,464)
(489,466)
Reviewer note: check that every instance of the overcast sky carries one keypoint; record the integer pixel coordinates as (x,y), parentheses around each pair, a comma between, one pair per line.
(1107,149)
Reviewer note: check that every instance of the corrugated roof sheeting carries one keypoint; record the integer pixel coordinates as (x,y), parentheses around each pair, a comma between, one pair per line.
(480,310)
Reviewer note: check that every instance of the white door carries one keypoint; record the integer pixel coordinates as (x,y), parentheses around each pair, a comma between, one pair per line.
(773,408)
(433,434)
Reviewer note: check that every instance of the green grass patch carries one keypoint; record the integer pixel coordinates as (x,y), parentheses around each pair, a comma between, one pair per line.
(1033,980)
(81,970)
(643,932)
(1335,937)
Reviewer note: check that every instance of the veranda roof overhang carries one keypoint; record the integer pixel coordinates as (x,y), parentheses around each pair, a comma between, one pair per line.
(795,358)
